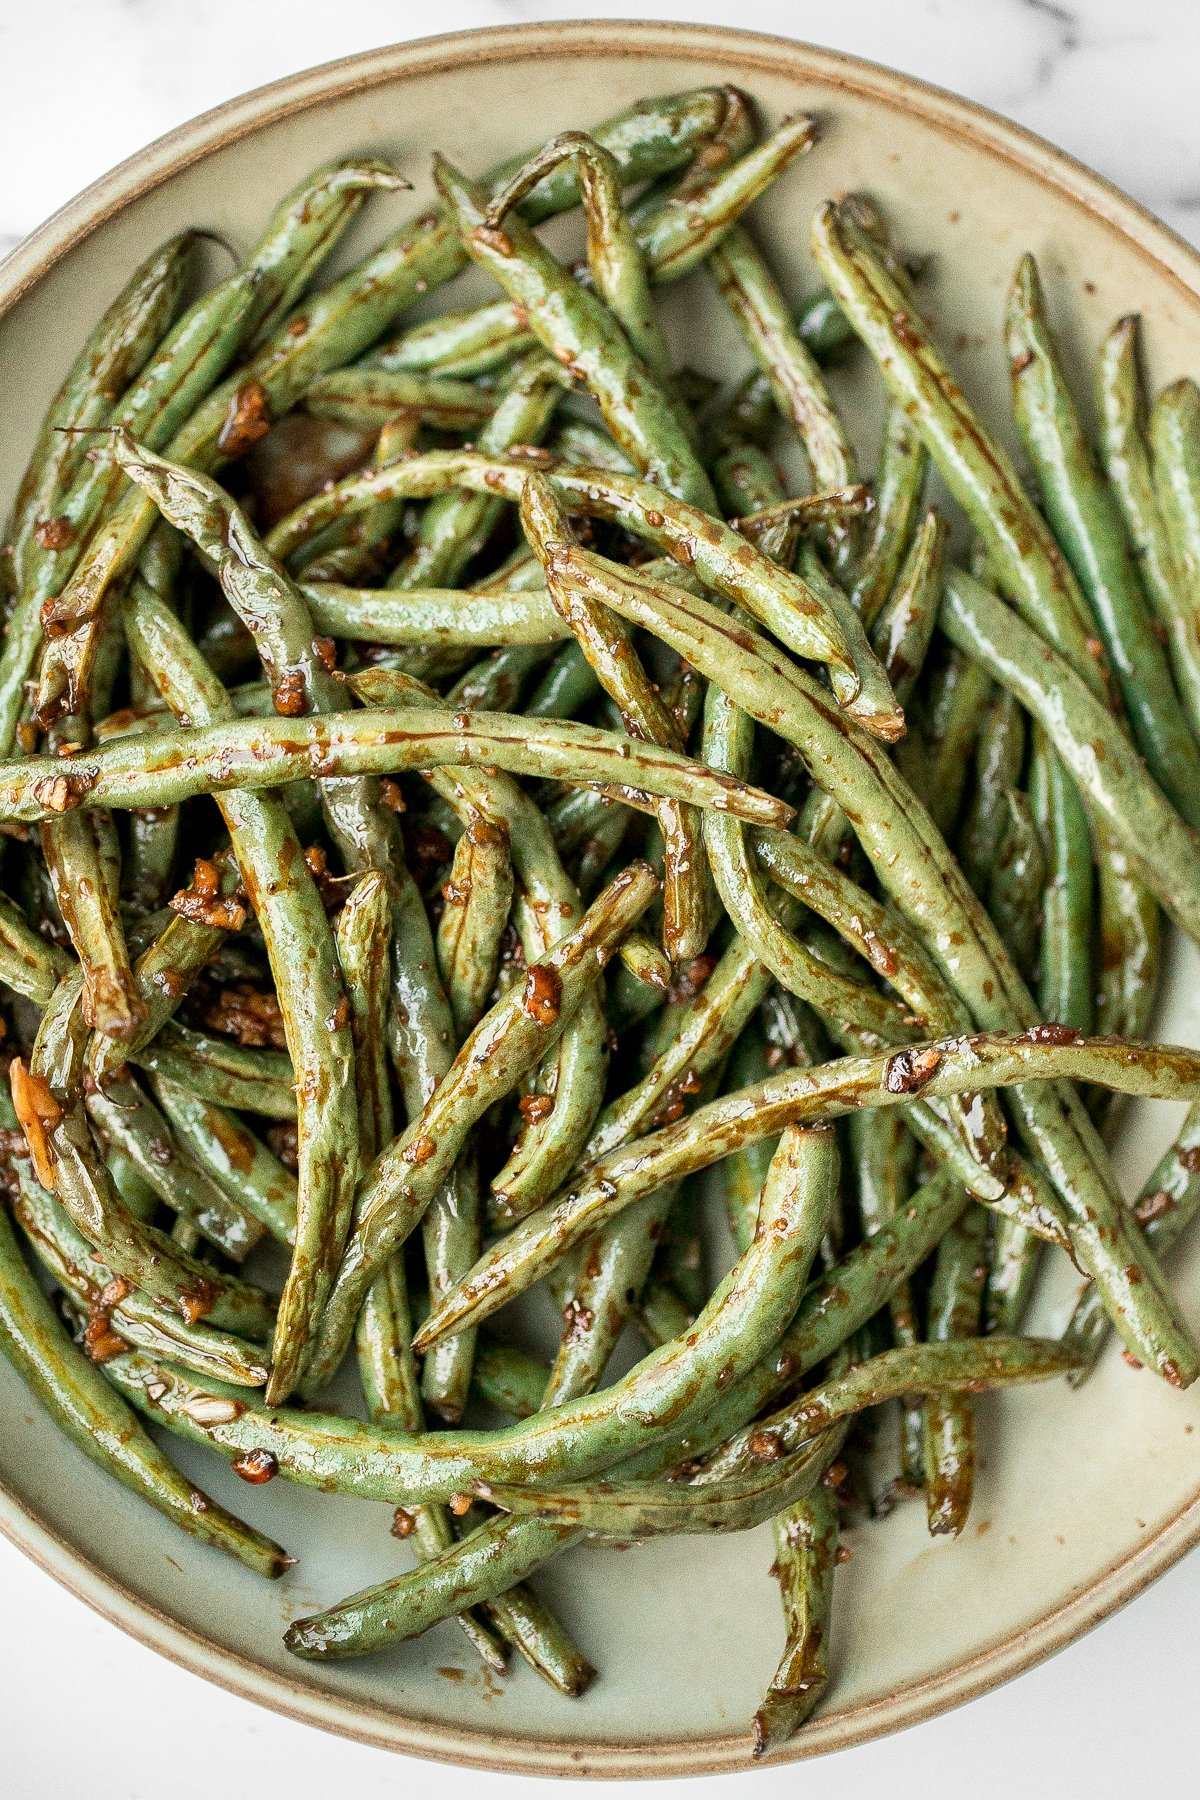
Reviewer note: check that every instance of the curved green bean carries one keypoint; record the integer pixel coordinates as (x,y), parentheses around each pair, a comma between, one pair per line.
(956,1065)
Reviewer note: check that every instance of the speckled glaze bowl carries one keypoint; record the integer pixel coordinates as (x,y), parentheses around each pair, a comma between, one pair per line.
(1084,1497)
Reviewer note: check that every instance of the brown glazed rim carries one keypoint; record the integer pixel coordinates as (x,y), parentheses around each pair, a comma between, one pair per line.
(836,1728)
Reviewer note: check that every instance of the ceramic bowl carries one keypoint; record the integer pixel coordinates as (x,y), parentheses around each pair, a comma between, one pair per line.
(1082,1497)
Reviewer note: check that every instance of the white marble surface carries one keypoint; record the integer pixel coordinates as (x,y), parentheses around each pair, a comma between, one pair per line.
(83,1709)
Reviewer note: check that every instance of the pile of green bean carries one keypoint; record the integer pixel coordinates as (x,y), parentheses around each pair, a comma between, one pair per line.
(461,809)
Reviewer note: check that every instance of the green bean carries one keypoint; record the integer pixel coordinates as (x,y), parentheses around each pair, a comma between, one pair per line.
(1129,924)
(999,761)
(458,344)
(1086,521)
(510,1039)
(913,866)
(82,1405)
(117,1315)
(116,351)
(29,964)
(1065,980)
(1130,946)
(576,327)
(141,1254)
(612,1182)
(1160,848)
(1174,437)
(936,763)
(960,1366)
(575,441)
(744,1172)
(746,481)
(375,396)
(1127,461)
(1013,1268)
(832,506)
(615,259)
(166,969)
(682,1257)
(223,1073)
(276,611)
(728,737)
(747,1313)
(478,897)
(793,1032)
(885,1156)
(903,628)
(484,1564)
(629,1512)
(677,233)
(899,483)
(1031,570)
(74,853)
(240,1164)
(129,1120)
(1165,1207)
(611,1271)
(313,1005)
(1018,882)
(137,1194)
(744,1317)
(433,616)
(148,868)
(359,551)
(393,1393)
(618,668)
(659,1313)
(760,311)
(646,960)
(509,1378)
(386,1365)
(748,415)
(954,1303)
(721,558)
(543,1641)
(498,680)
(113,356)
(653,137)
(806,1543)
(876,706)
(452,1232)
(247,754)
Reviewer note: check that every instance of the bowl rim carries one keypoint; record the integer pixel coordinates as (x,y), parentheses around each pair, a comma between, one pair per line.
(209,133)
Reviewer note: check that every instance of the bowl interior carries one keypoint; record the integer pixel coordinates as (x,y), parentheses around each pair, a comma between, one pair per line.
(1082,1496)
